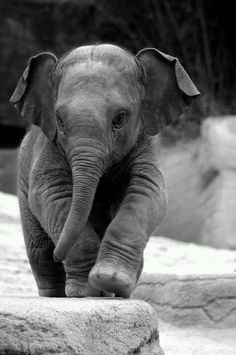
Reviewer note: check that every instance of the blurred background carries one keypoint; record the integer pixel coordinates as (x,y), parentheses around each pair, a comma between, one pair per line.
(201,34)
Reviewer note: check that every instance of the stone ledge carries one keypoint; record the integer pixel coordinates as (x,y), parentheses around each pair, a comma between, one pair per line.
(188,300)
(189,284)
(33,325)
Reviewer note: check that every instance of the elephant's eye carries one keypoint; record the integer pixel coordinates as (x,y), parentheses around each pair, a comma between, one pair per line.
(120,119)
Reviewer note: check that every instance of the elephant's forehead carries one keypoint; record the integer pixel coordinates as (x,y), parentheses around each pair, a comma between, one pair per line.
(96,74)
(102,62)
(106,53)
(99,69)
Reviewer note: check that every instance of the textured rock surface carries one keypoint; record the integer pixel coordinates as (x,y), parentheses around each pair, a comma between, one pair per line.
(191,300)
(189,284)
(77,326)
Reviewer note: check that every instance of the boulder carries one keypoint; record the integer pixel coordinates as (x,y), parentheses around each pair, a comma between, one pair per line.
(77,326)
(218,198)
(201,184)
(180,167)
(189,285)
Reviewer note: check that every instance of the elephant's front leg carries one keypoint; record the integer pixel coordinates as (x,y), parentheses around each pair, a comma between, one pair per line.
(120,258)
(79,262)
(50,204)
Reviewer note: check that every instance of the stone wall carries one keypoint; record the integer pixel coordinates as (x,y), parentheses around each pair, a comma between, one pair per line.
(201,181)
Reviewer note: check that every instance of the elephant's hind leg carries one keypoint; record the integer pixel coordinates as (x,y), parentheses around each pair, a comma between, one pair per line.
(49,276)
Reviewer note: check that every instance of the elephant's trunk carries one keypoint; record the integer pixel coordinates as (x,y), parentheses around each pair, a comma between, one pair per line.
(87,167)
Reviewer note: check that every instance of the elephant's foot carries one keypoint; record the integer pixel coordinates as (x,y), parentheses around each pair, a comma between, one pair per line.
(112,278)
(75,288)
(52,292)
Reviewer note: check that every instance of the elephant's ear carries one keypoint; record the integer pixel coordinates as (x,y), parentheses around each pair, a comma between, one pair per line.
(33,96)
(168,89)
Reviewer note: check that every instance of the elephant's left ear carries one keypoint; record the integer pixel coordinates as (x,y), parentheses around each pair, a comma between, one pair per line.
(33,95)
(168,89)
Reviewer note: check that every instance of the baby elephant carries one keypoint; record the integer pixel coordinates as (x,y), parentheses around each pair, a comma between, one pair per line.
(89,184)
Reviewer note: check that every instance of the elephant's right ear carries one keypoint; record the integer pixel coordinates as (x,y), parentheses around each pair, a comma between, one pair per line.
(33,96)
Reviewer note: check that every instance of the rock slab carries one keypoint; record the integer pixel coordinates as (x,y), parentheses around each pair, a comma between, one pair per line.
(189,285)
(189,300)
(33,325)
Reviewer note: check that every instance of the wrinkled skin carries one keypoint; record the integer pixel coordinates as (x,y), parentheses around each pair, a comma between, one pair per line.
(89,180)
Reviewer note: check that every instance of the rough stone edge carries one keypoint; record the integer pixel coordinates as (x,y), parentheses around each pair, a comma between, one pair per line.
(147,345)
(213,301)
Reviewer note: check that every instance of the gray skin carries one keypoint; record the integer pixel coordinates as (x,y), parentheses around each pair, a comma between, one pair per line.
(89,184)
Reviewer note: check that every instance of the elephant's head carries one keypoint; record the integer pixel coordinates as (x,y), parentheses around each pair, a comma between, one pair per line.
(94,103)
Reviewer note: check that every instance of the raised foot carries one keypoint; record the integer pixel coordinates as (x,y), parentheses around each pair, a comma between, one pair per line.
(109,278)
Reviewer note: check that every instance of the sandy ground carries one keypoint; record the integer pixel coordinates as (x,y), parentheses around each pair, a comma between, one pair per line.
(168,256)
(161,255)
